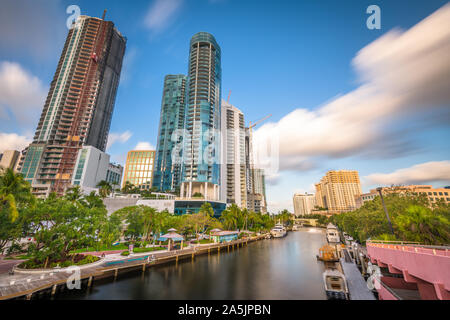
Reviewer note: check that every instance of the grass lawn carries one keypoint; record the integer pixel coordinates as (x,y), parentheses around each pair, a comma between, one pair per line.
(203,241)
(120,246)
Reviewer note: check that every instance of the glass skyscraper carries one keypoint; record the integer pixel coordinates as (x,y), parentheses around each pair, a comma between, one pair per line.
(201,141)
(167,174)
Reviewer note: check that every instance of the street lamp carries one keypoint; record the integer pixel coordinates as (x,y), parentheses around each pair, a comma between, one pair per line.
(379,189)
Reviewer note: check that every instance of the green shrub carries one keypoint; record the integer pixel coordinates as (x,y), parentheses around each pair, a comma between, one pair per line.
(125,253)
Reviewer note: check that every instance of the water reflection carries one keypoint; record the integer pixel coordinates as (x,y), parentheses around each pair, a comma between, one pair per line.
(270,269)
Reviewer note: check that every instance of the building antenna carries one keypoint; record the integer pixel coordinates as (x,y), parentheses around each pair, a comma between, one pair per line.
(104,14)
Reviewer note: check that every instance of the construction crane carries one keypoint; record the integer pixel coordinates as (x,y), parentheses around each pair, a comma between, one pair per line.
(250,125)
(229,94)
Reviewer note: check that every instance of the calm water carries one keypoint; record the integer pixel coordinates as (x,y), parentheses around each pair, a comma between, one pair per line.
(269,269)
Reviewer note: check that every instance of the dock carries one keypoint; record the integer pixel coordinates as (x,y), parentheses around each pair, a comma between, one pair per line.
(34,284)
(357,286)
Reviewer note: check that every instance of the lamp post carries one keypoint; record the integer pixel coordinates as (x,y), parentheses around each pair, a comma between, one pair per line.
(379,189)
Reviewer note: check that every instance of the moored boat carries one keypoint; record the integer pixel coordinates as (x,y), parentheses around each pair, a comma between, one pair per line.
(279,231)
(335,284)
(332,234)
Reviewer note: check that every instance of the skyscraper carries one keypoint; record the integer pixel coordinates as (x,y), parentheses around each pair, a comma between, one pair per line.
(79,105)
(167,174)
(233,181)
(336,191)
(201,141)
(139,168)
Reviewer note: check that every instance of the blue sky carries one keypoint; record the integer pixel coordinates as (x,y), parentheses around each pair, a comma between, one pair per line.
(277,57)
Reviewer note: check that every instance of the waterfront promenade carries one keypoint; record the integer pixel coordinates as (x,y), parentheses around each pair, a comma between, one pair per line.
(25,285)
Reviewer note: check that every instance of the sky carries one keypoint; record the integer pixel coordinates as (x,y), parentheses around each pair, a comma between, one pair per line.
(341,96)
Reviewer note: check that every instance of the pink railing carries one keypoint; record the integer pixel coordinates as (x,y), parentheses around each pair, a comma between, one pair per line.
(429,267)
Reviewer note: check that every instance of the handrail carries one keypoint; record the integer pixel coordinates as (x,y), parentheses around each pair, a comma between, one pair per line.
(409,243)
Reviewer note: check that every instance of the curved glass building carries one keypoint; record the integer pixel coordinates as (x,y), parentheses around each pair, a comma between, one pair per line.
(201,141)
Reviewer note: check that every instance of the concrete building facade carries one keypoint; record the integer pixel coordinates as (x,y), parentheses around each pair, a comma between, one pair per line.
(90,168)
(9,159)
(233,173)
(114,175)
(336,191)
(303,203)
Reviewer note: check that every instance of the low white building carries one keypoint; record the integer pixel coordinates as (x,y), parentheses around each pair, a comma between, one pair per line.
(90,168)
(303,203)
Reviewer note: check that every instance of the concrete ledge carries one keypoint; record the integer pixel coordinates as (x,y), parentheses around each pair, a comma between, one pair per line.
(38,271)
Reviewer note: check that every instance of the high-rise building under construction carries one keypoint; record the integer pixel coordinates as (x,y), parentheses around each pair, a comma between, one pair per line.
(79,105)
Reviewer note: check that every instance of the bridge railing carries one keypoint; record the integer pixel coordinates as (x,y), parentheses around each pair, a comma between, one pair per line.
(415,247)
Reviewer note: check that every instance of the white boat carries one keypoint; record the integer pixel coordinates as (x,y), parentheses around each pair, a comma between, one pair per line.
(332,234)
(279,231)
(296,227)
(335,284)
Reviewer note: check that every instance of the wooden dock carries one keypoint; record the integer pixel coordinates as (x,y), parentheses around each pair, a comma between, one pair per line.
(27,286)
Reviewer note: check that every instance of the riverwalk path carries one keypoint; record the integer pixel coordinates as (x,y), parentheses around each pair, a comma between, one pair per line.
(25,285)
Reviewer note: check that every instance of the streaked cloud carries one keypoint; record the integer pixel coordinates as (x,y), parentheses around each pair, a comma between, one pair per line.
(13,141)
(161,14)
(22,95)
(427,172)
(144,145)
(118,137)
(405,76)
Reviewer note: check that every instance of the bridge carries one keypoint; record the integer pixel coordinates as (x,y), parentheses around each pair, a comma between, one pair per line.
(411,271)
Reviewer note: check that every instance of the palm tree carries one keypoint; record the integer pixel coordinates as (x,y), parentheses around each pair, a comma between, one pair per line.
(14,192)
(206,209)
(105,188)
(128,187)
(74,194)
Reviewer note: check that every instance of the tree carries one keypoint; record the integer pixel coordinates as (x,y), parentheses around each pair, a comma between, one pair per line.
(15,193)
(105,188)
(206,209)
(15,198)
(60,225)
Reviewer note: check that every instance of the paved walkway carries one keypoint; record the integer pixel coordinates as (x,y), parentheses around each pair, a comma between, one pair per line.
(357,286)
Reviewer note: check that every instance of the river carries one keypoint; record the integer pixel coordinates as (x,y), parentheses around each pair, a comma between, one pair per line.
(268,269)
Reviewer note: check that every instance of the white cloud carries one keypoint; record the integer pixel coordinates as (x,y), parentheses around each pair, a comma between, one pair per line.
(161,13)
(420,173)
(405,76)
(13,141)
(118,137)
(143,145)
(21,94)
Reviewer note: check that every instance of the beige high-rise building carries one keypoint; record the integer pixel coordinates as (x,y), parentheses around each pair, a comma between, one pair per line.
(139,168)
(303,203)
(336,191)
(9,159)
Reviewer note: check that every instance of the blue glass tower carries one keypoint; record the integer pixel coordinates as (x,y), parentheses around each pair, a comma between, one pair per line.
(167,174)
(201,141)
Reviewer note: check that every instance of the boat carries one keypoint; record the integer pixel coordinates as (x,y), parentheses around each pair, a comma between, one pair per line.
(335,284)
(279,231)
(328,253)
(296,227)
(332,234)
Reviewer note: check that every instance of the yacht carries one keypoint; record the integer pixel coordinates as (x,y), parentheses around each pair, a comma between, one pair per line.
(279,231)
(335,284)
(332,234)
(296,227)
